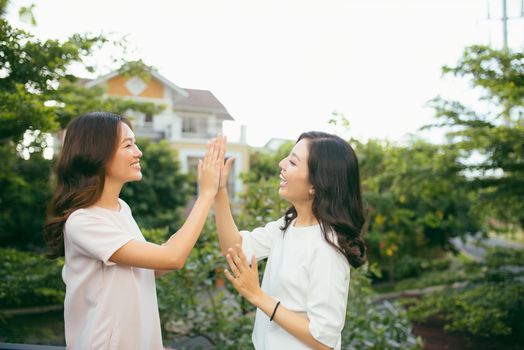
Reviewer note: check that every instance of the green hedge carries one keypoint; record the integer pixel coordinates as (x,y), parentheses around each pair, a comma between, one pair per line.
(491,305)
(29,279)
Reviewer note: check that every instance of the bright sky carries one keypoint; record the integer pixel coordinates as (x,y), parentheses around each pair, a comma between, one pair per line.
(282,67)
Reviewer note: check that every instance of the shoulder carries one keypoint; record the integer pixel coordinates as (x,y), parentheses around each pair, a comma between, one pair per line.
(327,251)
(272,226)
(280,222)
(84,217)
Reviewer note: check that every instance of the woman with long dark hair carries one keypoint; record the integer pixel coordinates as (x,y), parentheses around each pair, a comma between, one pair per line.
(109,268)
(302,301)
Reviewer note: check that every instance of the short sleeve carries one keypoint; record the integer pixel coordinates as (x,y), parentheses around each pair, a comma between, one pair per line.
(327,294)
(95,235)
(260,240)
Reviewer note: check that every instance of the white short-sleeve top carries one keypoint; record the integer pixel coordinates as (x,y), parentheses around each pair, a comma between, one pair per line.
(107,306)
(306,275)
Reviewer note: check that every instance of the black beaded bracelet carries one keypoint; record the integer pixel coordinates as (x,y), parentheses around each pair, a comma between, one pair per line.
(274,311)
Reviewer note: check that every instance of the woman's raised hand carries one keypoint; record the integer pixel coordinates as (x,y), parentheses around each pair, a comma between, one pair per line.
(226,167)
(209,168)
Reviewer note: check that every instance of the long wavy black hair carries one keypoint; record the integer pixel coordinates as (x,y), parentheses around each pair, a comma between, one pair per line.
(337,201)
(89,144)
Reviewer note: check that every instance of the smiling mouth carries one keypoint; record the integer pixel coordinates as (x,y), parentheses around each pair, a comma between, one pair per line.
(283,180)
(136,165)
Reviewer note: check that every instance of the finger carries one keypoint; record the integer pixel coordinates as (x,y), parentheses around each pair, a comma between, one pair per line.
(216,150)
(229,276)
(241,262)
(221,153)
(240,252)
(199,170)
(229,163)
(208,148)
(211,156)
(232,265)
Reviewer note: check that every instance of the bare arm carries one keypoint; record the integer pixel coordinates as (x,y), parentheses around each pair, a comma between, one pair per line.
(245,280)
(173,253)
(296,324)
(228,234)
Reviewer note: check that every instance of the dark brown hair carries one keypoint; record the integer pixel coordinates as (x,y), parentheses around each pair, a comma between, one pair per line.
(337,203)
(90,143)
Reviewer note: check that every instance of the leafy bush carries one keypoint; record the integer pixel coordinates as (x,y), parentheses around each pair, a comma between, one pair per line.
(191,304)
(372,326)
(491,304)
(29,279)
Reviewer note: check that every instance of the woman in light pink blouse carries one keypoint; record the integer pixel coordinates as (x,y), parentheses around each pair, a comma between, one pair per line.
(109,268)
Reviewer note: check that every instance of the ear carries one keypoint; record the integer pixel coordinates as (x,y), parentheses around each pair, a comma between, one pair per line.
(312,191)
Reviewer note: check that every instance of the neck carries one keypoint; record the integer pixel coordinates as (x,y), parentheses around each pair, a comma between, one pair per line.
(110,194)
(305,215)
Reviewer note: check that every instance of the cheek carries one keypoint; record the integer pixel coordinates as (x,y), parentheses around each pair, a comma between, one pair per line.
(118,163)
(300,180)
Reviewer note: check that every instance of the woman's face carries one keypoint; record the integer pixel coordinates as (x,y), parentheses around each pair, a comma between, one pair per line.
(125,164)
(294,175)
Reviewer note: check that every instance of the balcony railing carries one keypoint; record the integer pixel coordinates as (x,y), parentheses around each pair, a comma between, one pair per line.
(147,131)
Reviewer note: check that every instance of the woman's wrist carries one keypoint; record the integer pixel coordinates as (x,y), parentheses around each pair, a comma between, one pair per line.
(261,300)
(222,192)
(207,195)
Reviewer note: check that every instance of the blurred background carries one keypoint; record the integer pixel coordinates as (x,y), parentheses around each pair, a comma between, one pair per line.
(429,93)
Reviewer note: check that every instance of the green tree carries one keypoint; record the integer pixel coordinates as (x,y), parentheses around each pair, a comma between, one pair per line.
(491,141)
(416,200)
(38,95)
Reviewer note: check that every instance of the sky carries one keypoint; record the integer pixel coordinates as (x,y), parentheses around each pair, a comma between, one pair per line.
(282,67)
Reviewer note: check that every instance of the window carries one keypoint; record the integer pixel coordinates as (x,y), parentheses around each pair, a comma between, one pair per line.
(194,127)
(148,118)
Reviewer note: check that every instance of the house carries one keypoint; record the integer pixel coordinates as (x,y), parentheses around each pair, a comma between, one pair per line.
(191,117)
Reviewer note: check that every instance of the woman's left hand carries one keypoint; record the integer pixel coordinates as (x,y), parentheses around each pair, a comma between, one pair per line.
(243,277)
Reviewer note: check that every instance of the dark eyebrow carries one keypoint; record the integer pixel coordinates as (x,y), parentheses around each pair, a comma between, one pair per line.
(295,155)
(127,139)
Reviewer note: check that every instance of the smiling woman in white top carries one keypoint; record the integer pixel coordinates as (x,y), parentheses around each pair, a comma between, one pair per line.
(302,301)
(109,268)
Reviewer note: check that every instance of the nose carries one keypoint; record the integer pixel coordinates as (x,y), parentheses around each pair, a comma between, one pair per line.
(138,152)
(282,163)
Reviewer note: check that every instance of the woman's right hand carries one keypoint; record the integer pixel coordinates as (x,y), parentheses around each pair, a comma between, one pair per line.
(226,167)
(209,168)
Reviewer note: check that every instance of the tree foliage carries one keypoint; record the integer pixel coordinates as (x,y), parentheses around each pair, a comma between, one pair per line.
(38,96)
(491,141)
(416,200)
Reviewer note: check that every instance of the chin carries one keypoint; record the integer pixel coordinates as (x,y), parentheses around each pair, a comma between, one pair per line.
(137,177)
(282,195)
